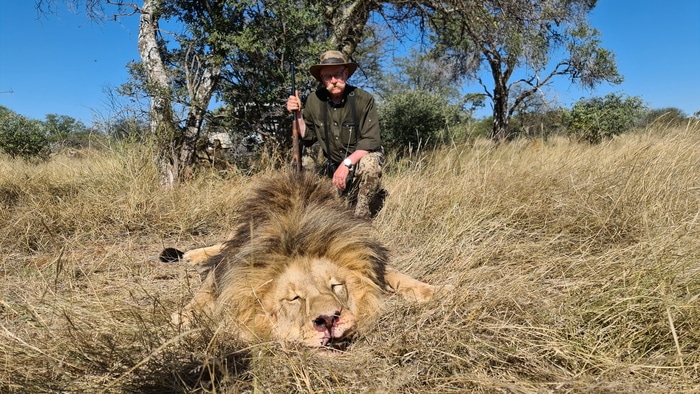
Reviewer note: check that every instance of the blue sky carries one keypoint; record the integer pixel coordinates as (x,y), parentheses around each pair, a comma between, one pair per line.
(63,64)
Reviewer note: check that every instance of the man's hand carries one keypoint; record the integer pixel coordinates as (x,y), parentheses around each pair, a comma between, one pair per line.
(293,102)
(340,177)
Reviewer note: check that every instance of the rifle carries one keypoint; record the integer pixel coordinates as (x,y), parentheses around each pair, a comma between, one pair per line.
(296,148)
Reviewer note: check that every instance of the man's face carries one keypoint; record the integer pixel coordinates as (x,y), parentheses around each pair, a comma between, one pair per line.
(333,78)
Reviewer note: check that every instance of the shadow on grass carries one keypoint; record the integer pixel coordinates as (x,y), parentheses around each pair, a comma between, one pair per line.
(177,372)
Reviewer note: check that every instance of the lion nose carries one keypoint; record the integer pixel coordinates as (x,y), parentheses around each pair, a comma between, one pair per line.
(326,322)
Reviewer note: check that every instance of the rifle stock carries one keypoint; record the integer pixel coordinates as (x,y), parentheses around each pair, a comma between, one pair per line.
(296,147)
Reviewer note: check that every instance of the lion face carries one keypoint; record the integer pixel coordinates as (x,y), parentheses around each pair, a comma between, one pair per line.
(317,303)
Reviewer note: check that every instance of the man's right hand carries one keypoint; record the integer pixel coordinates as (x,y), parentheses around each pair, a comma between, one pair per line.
(294,103)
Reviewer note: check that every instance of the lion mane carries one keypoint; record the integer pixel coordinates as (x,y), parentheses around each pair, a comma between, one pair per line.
(298,267)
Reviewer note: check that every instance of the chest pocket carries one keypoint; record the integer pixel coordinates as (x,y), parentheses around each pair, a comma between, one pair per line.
(348,134)
(349,130)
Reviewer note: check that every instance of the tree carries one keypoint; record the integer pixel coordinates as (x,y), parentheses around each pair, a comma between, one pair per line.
(413,119)
(599,118)
(419,71)
(180,77)
(239,52)
(520,38)
(126,128)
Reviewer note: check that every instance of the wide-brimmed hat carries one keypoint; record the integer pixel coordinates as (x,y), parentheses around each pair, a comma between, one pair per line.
(332,58)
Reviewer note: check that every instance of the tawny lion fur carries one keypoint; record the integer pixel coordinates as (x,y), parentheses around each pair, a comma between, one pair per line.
(299,267)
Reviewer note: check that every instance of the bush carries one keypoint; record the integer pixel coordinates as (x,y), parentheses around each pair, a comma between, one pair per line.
(538,123)
(596,119)
(415,119)
(61,127)
(669,117)
(23,137)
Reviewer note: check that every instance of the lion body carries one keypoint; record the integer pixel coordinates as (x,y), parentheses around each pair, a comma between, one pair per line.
(299,267)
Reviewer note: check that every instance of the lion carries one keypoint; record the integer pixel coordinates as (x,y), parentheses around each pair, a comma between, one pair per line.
(299,267)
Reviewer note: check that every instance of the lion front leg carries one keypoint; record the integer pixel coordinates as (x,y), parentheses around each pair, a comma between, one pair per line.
(201,259)
(408,287)
(201,255)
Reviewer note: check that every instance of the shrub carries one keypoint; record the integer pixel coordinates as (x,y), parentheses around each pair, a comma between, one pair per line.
(23,137)
(414,119)
(669,117)
(596,119)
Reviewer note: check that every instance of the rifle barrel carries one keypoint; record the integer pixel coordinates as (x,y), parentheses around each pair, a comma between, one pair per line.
(296,148)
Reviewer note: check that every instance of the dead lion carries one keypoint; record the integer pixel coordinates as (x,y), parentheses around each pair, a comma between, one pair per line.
(299,267)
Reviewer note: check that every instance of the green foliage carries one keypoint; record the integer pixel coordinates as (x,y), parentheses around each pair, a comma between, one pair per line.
(542,123)
(274,35)
(59,127)
(521,38)
(412,120)
(250,45)
(596,119)
(483,127)
(588,63)
(419,71)
(670,117)
(66,132)
(422,105)
(128,128)
(22,137)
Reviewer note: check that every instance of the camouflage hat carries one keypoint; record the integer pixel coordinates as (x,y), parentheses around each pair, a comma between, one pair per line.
(332,58)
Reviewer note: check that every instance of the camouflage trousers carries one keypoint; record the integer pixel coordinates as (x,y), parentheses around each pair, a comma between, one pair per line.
(365,193)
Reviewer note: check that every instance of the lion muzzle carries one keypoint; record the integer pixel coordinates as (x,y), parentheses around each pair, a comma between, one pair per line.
(326,322)
(333,330)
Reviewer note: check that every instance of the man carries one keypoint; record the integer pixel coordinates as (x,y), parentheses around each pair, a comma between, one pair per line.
(344,119)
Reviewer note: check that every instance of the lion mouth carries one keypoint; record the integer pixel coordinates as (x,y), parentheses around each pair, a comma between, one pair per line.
(334,337)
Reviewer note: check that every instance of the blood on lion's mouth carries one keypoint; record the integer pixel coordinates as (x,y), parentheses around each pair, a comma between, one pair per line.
(335,335)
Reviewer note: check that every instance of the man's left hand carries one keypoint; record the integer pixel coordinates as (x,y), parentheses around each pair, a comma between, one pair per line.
(340,177)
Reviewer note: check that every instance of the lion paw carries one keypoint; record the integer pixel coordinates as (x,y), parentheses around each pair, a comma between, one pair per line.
(419,293)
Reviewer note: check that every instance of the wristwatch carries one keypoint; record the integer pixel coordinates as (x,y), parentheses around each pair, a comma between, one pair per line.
(347,163)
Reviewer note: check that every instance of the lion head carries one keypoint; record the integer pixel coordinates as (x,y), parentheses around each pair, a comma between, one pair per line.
(318,303)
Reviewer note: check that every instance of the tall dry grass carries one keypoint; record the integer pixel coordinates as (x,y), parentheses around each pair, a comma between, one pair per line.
(573,268)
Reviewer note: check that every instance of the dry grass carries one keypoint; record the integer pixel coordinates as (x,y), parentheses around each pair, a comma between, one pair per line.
(575,269)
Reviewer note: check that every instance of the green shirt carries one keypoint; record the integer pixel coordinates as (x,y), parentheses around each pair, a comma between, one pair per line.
(346,134)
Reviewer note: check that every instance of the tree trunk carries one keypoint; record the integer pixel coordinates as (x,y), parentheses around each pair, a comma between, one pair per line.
(500,121)
(162,126)
(177,146)
(500,107)
(200,89)
(347,22)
